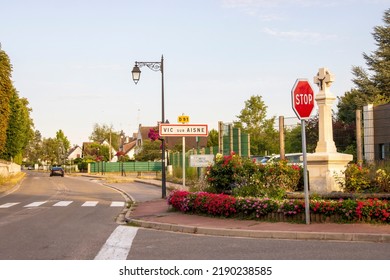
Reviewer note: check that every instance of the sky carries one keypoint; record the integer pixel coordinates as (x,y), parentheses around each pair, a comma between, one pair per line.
(72,59)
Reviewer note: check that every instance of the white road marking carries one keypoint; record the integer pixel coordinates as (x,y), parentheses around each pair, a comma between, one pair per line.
(90,203)
(117,204)
(35,204)
(8,205)
(118,245)
(63,203)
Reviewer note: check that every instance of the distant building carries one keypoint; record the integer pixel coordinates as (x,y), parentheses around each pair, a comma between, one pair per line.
(74,153)
(376,122)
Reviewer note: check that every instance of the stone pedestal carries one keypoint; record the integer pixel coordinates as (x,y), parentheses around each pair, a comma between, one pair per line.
(326,165)
(326,171)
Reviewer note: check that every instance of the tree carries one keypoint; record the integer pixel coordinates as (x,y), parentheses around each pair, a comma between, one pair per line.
(33,152)
(372,86)
(105,132)
(50,150)
(151,150)
(343,136)
(212,139)
(63,140)
(19,131)
(6,88)
(252,120)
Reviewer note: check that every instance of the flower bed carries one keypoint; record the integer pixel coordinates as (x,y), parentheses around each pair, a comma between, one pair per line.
(222,205)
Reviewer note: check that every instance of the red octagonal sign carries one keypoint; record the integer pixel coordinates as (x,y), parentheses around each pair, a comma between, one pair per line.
(302,96)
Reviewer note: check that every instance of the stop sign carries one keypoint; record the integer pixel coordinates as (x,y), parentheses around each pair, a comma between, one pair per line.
(302,96)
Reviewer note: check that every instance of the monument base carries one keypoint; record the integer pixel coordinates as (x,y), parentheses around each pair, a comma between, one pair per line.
(326,171)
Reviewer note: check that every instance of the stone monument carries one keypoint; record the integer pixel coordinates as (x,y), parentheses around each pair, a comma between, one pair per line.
(326,165)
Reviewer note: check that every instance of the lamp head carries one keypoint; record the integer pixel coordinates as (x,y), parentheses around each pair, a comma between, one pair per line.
(136,73)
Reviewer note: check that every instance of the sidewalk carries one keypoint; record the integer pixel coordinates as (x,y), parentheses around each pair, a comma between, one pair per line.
(155,214)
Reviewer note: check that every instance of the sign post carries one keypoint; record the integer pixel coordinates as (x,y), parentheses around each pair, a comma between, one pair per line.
(183,130)
(184,119)
(302,96)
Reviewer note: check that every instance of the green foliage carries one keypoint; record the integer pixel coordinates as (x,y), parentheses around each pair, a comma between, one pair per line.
(33,152)
(373,86)
(252,120)
(370,210)
(150,151)
(19,130)
(6,91)
(365,179)
(15,122)
(63,140)
(105,132)
(242,177)
(212,139)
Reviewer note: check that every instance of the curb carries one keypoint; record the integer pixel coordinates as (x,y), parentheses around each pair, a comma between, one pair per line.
(124,215)
(292,235)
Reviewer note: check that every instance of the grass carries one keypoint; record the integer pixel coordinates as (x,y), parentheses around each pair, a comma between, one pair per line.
(7,183)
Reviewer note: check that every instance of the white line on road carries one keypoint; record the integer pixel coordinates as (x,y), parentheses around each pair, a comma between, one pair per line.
(90,203)
(8,205)
(118,245)
(117,204)
(35,204)
(63,203)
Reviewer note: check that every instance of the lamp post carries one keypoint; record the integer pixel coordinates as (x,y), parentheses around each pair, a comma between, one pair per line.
(136,73)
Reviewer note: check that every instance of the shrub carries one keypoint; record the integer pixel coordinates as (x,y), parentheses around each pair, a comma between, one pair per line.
(229,172)
(243,177)
(365,179)
(222,205)
(281,175)
(252,208)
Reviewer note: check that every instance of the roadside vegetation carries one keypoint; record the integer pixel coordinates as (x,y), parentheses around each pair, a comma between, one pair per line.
(7,183)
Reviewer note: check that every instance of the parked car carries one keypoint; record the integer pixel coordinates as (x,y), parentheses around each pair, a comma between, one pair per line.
(257,159)
(294,158)
(57,171)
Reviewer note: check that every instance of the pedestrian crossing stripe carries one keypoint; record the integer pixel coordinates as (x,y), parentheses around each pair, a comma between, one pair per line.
(63,203)
(8,205)
(90,203)
(117,204)
(35,204)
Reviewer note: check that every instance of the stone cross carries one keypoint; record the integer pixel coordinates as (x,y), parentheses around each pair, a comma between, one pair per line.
(324,79)
(324,101)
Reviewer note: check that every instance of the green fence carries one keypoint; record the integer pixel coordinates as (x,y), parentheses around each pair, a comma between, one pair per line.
(131,166)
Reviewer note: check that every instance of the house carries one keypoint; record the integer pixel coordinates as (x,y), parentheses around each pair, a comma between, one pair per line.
(74,153)
(127,149)
(91,149)
(376,122)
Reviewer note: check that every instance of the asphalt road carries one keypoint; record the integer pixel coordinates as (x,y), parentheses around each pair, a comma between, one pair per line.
(74,218)
(57,218)
(158,245)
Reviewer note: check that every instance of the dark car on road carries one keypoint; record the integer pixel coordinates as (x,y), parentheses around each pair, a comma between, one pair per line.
(57,171)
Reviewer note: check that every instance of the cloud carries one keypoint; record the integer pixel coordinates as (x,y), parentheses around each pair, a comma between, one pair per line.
(268,10)
(312,37)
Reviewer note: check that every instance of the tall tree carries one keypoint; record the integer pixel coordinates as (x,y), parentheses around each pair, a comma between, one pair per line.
(63,140)
(5,96)
(33,152)
(252,120)
(372,86)
(105,132)
(19,131)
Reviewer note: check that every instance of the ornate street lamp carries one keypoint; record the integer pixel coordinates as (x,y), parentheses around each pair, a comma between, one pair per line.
(136,74)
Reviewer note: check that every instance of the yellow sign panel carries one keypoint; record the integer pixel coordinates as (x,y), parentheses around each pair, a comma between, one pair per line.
(183,119)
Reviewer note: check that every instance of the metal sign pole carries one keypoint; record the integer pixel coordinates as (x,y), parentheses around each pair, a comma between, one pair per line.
(305,179)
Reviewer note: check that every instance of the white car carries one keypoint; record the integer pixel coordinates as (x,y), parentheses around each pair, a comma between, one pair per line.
(294,158)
